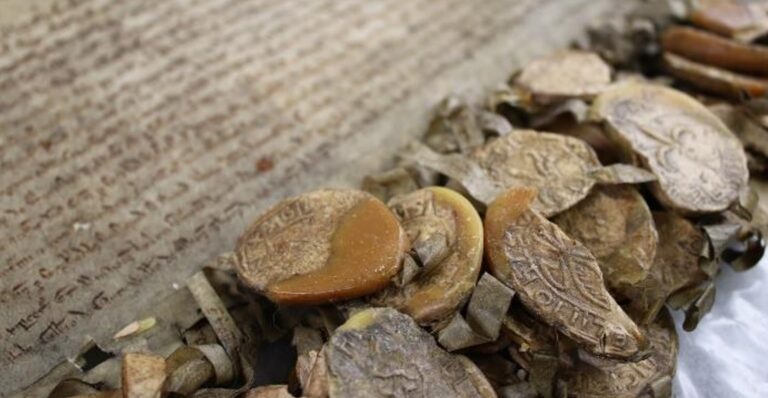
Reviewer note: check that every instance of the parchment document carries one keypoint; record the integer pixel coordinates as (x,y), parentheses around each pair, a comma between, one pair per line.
(138,138)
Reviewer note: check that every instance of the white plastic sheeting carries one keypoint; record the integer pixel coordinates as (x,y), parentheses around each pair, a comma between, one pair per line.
(727,355)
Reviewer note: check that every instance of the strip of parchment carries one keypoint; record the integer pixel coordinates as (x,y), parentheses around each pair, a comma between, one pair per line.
(137,138)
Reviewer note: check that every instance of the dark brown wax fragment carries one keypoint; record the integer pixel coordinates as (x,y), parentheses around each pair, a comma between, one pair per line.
(566,74)
(710,49)
(675,267)
(380,352)
(556,277)
(631,379)
(701,167)
(322,246)
(435,296)
(713,80)
(734,18)
(616,225)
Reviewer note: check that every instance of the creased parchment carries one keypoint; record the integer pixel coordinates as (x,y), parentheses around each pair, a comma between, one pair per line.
(138,138)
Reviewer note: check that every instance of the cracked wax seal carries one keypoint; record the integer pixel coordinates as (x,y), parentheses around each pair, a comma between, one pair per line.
(650,377)
(616,225)
(435,295)
(380,352)
(701,166)
(320,247)
(566,74)
(556,277)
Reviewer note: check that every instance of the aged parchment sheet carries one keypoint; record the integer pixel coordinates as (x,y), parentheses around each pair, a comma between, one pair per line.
(137,138)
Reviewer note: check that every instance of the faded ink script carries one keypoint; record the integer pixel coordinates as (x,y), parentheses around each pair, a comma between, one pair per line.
(138,138)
